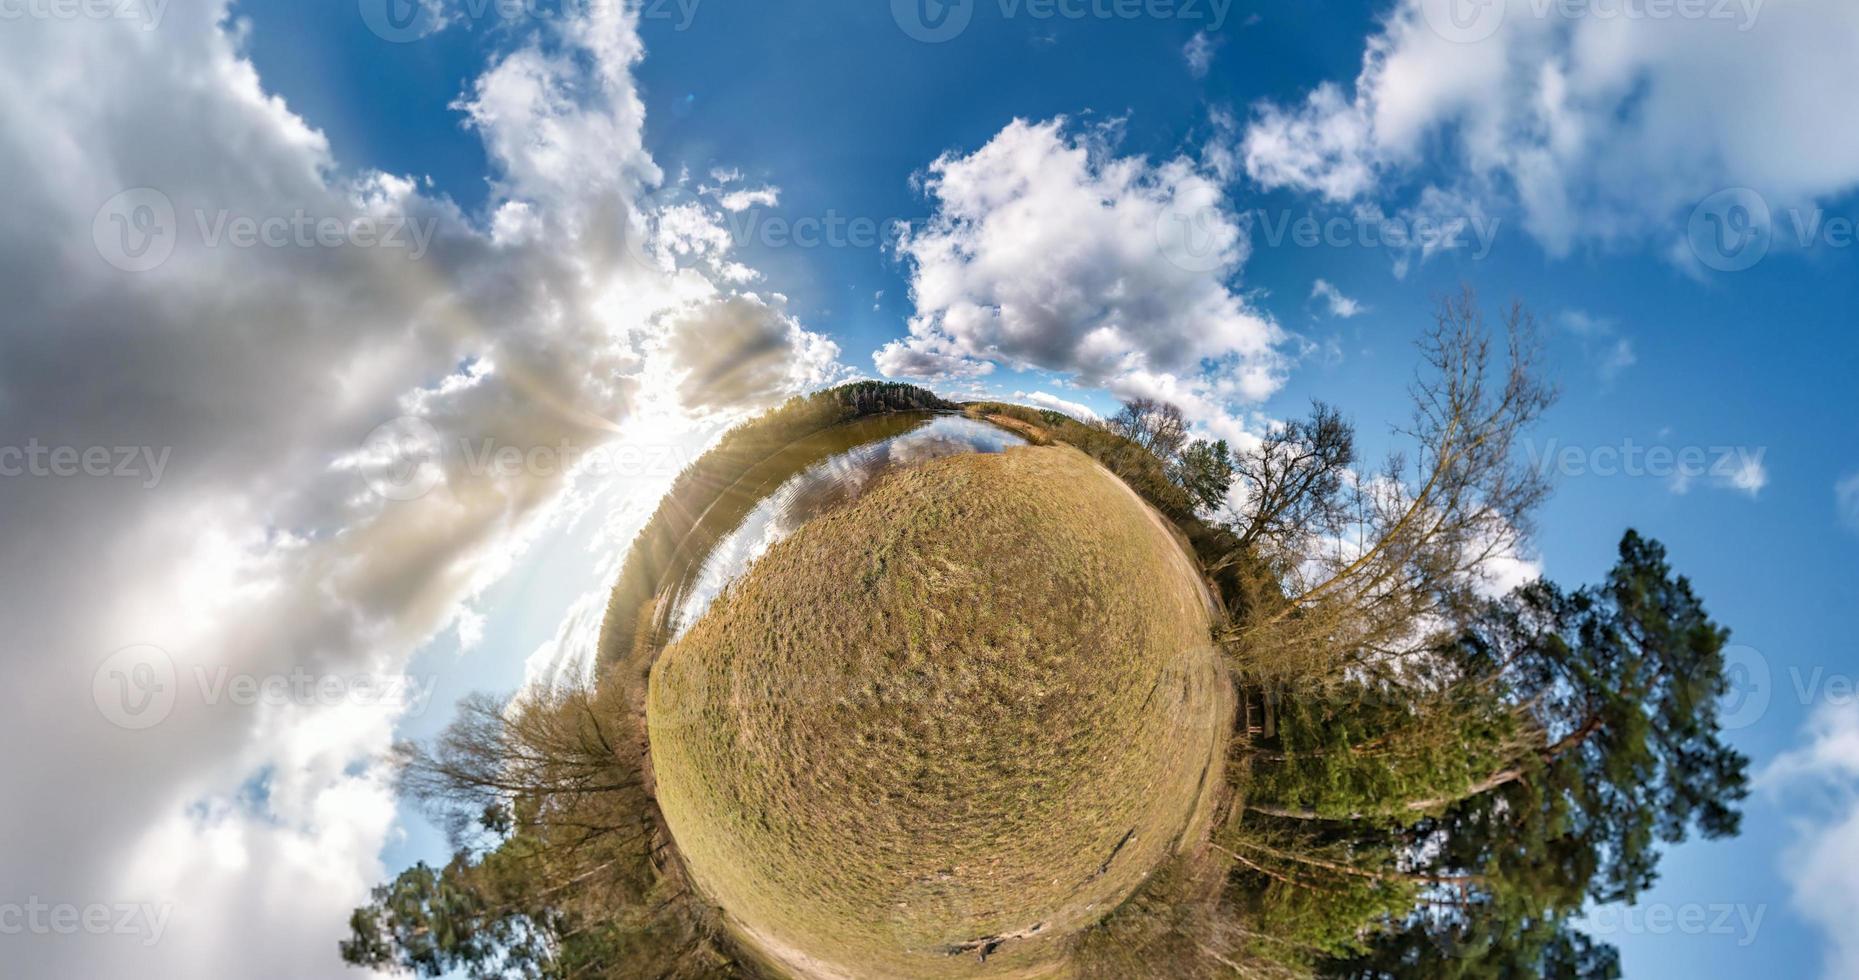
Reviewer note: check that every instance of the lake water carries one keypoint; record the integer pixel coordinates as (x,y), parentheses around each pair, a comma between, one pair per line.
(809,478)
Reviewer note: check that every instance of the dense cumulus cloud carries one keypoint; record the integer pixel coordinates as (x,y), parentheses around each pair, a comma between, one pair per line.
(1597,125)
(1819,780)
(1602,126)
(304,345)
(1047,250)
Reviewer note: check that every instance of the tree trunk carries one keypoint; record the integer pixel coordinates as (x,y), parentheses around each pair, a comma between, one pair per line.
(1479,788)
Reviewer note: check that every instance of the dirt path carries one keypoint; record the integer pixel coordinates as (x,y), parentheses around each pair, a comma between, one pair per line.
(1197,688)
(1181,555)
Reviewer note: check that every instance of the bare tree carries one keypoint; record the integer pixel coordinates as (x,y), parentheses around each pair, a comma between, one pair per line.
(563,866)
(1154,425)
(1352,569)
(1293,483)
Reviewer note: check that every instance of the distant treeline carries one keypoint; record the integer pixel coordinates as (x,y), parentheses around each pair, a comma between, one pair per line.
(1440,782)
(703,483)
(563,864)
(1146,473)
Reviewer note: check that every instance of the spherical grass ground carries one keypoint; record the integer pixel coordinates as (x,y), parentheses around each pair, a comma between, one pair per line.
(943,729)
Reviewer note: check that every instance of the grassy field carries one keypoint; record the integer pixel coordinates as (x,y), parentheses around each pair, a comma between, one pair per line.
(940,731)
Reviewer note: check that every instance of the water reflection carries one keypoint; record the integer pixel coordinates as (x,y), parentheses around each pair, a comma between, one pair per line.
(815,486)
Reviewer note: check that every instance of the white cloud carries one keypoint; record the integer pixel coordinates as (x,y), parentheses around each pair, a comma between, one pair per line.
(740,350)
(1199,53)
(743,200)
(1046,250)
(1617,358)
(1727,468)
(1819,785)
(1846,500)
(1046,399)
(1747,475)
(262,551)
(1585,324)
(1507,570)
(1340,305)
(1324,145)
(1597,128)
(1609,353)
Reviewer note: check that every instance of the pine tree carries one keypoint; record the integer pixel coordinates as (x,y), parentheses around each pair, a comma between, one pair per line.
(1547,756)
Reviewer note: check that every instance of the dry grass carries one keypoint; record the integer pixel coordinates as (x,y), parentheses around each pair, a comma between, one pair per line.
(969,713)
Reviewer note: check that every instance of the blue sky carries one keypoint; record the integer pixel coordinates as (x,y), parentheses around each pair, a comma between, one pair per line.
(839,108)
(1668,187)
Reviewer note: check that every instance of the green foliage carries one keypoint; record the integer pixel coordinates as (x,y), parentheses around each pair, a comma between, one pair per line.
(490,917)
(1567,736)
(1370,751)
(558,868)
(1156,426)
(1137,466)
(1223,556)
(1436,802)
(1311,894)
(466,917)
(1488,943)
(1205,470)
